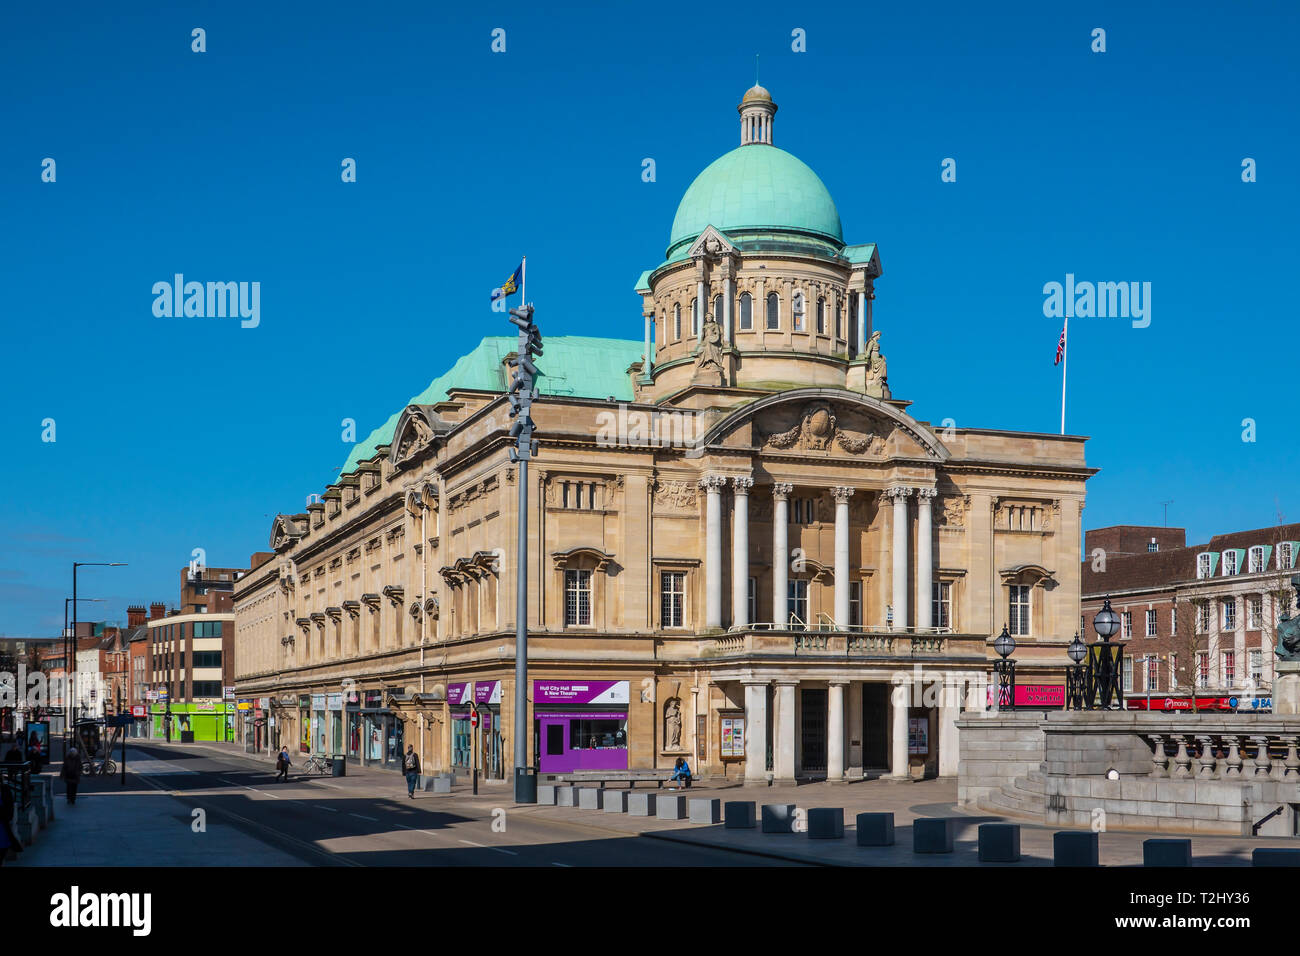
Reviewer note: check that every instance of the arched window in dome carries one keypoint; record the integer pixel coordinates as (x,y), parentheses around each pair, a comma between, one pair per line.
(717,309)
(746,312)
(821,316)
(797,310)
(773,311)
(839,316)
(677,321)
(695,318)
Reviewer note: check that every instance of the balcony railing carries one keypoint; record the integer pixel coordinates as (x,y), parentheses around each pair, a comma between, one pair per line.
(863,642)
(1267,754)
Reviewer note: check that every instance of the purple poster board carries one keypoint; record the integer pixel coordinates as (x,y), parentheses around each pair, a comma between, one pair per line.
(487,692)
(580,692)
(458,694)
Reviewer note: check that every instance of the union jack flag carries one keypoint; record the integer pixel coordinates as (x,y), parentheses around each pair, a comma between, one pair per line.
(1060,348)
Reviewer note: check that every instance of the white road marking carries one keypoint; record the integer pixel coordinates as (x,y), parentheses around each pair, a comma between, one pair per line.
(499,850)
(329,809)
(364,817)
(565,865)
(472,843)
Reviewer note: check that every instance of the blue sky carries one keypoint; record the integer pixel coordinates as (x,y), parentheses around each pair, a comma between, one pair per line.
(181,433)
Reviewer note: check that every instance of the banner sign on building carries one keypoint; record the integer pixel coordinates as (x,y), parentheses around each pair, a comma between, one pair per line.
(580,692)
(317,701)
(459,694)
(1040,695)
(334,702)
(487,692)
(228,693)
(733,737)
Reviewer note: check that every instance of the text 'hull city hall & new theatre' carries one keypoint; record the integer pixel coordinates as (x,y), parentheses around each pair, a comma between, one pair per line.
(739,539)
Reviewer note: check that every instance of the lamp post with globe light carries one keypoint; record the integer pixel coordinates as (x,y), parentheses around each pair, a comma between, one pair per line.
(1105,663)
(1076,675)
(1005,670)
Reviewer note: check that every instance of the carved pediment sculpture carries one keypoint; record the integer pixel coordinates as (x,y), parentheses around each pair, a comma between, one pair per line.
(818,429)
(675,494)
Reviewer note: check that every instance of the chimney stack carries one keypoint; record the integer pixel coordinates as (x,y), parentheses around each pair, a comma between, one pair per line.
(157,610)
(136,615)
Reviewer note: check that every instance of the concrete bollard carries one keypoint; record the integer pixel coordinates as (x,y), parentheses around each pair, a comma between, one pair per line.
(1166,852)
(615,801)
(671,808)
(738,815)
(704,810)
(546,795)
(932,835)
(1274,856)
(826,823)
(565,797)
(1073,848)
(641,804)
(875,829)
(591,798)
(999,842)
(778,817)
(442,783)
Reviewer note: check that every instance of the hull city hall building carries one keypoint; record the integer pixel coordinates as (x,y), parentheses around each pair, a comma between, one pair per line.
(740,541)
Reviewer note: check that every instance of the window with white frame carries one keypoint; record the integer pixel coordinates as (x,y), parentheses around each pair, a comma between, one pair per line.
(577,597)
(717,309)
(797,602)
(941,612)
(1285,556)
(1229,668)
(773,312)
(1128,674)
(1230,614)
(1173,671)
(1255,559)
(821,316)
(1282,604)
(1153,672)
(1202,617)
(1018,610)
(1204,565)
(1153,546)
(1127,620)
(672,605)
(1229,563)
(1151,622)
(1202,669)
(1254,613)
(855,603)
(746,312)
(1256,668)
(1173,620)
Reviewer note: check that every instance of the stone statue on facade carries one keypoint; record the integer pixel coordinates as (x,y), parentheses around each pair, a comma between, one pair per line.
(709,368)
(877,385)
(1288,629)
(673,724)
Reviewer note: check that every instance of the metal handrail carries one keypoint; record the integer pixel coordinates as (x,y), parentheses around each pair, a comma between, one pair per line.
(22,771)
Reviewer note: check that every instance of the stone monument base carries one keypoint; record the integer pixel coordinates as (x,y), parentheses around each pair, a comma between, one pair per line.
(1286,687)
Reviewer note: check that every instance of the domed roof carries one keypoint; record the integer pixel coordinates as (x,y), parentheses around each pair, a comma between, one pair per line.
(756,187)
(756,92)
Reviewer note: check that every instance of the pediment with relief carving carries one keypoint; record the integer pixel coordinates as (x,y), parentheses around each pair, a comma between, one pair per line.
(822,426)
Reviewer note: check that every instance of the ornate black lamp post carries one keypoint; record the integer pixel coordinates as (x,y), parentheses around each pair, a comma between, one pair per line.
(1005,670)
(1076,675)
(1105,663)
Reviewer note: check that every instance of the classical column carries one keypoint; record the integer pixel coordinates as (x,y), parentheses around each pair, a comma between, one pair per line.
(780,559)
(712,485)
(899,698)
(755,730)
(783,751)
(699,311)
(728,294)
(899,577)
(924,560)
(842,496)
(835,731)
(648,360)
(862,323)
(740,553)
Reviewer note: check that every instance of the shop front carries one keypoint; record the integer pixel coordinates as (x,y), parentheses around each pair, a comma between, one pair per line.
(580,725)
(459,696)
(487,698)
(379,732)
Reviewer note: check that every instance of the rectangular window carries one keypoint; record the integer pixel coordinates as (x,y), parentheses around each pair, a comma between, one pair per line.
(1153,672)
(1256,668)
(797,310)
(207,658)
(695,317)
(1255,559)
(1018,622)
(941,611)
(1128,674)
(1173,620)
(753,600)
(673,599)
(1230,614)
(855,603)
(577,598)
(1153,547)
(1173,671)
(773,312)
(1127,619)
(207,629)
(1229,668)
(797,604)
(1229,562)
(1151,622)
(1284,556)
(1202,617)
(205,688)
(746,313)
(1254,613)
(1204,565)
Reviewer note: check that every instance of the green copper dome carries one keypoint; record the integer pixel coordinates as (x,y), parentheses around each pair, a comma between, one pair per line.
(756,187)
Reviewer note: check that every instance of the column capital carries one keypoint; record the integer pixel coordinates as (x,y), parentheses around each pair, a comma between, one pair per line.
(842,493)
(897,492)
(925,494)
(837,682)
(742,485)
(782,489)
(713,483)
(754,682)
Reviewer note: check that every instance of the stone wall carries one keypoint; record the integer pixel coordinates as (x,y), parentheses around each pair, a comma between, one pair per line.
(995,749)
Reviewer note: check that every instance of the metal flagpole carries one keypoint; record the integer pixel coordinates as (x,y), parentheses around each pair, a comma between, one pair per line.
(1065,366)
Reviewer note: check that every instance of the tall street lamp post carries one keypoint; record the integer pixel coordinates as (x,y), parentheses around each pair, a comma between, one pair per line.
(1105,662)
(75,565)
(69,651)
(1076,675)
(1005,669)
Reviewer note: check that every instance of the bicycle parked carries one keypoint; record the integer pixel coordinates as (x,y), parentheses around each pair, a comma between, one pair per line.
(316,763)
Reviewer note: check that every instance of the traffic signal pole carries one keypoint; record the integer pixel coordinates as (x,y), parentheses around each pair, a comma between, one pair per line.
(523,389)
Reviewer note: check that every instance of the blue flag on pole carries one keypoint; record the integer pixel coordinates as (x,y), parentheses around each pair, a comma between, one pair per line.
(511,285)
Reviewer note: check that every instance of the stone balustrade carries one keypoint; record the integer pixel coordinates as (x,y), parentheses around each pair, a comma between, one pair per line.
(1205,754)
(845,644)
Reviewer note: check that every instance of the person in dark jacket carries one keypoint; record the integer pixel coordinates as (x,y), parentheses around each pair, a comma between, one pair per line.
(682,772)
(71,772)
(282,765)
(7,836)
(14,754)
(411,767)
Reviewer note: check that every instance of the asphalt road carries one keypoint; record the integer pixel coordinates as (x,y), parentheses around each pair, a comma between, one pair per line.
(325,824)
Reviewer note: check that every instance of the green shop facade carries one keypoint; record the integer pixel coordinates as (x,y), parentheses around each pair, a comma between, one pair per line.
(205,719)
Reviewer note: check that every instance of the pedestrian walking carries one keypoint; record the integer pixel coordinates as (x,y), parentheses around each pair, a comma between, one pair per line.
(14,754)
(71,773)
(282,765)
(7,836)
(34,752)
(411,764)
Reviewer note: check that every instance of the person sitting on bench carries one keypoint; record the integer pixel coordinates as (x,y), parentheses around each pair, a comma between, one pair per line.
(681,771)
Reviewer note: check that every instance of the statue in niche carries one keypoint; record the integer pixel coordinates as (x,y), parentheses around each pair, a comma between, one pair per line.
(673,724)
(711,350)
(877,379)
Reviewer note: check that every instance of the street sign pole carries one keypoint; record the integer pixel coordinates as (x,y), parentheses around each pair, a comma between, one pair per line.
(473,745)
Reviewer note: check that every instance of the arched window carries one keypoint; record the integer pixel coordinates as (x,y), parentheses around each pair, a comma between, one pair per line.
(717,309)
(797,310)
(746,312)
(695,318)
(773,311)
(821,316)
(677,321)
(839,317)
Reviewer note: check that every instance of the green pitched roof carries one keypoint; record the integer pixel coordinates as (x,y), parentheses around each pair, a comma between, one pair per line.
(859,253)
(756,187)
(576,365)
